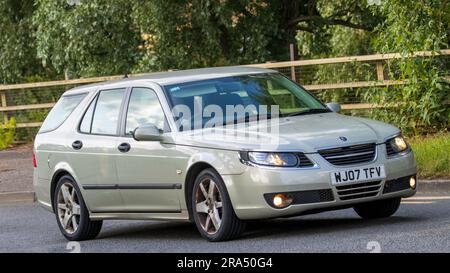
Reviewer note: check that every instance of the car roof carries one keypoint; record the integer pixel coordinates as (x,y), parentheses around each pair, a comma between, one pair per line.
(178,76)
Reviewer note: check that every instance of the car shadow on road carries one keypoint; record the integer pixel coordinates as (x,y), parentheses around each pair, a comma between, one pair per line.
(284,227)
(151,230)
(317,226)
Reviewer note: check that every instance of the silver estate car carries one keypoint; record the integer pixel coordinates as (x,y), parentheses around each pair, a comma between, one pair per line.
(215,146)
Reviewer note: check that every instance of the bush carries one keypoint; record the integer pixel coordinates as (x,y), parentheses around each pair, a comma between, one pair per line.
(417,107)
(7,132)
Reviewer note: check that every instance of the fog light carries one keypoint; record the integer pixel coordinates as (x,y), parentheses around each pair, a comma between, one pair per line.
(412,182)
(280,200)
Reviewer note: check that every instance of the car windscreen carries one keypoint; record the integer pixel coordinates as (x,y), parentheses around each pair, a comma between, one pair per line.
(238,99)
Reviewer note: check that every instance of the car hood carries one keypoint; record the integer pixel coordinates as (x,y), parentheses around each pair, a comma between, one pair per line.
(307,133)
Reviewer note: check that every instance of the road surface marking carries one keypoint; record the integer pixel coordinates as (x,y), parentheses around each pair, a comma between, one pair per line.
(429,198)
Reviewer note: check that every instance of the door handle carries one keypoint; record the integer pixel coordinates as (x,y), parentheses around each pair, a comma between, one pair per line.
(124,147)
(77,144)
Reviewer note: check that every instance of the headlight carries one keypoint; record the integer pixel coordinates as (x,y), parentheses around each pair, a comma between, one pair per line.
(273,159)
(398,144)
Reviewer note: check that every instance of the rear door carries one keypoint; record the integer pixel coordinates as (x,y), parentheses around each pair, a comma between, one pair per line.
(59,113)
(50,146)
(95,151)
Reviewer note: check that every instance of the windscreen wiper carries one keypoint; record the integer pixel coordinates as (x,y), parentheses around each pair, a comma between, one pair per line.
(309,111)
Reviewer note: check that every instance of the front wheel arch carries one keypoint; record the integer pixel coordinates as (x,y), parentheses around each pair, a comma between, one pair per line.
(230,226)
(191,175)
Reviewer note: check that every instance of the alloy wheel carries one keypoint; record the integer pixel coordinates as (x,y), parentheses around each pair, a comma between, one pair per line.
(68,206)
(209,206)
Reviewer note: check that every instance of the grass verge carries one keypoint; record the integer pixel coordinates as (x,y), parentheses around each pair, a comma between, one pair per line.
(432,155)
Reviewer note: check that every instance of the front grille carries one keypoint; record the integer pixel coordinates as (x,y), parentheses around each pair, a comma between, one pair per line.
(360,190)
(398,184)
(389,150)
(350,154)
(304,197)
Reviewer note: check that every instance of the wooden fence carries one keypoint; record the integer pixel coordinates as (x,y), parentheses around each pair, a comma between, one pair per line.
(378,59)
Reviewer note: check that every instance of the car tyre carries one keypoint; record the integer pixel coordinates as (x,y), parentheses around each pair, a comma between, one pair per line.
(378,209)
(71,212)
(212,210)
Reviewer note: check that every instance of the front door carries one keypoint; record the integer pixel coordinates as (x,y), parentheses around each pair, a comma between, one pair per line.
(147,170)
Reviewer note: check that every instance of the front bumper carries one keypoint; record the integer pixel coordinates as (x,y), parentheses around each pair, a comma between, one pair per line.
(247,190)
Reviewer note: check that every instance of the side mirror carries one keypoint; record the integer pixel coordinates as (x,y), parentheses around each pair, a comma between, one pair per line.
(147,133)
(335,107)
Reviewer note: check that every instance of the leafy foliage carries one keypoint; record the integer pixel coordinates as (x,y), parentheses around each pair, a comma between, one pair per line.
(51,39)
(18,53)
(336,40)
(194,33)
(95,37)
(186,34)
(418,106)
(7,133)
(341,28)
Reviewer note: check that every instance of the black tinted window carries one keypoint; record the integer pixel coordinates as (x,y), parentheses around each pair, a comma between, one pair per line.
(144,109)
(85,126)
(61,111)
(106,114)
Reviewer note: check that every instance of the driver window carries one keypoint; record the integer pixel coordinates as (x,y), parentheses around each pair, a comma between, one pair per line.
(144,109)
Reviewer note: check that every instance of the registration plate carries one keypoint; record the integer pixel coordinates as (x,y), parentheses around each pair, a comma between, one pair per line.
(358,175)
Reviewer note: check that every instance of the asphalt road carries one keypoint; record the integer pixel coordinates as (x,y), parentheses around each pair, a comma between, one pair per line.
(422,224)
(16,169)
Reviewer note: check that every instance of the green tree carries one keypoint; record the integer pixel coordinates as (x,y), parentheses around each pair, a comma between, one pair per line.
(108,37)
(334,29)
(17,45)
(198,33)
(86,38)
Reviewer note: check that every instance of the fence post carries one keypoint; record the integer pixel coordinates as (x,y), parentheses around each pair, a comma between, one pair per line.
(3,100)
(380,70)
(293,76)
(292,54)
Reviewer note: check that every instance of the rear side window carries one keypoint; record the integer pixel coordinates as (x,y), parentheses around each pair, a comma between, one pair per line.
(61,111)
(106,112)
